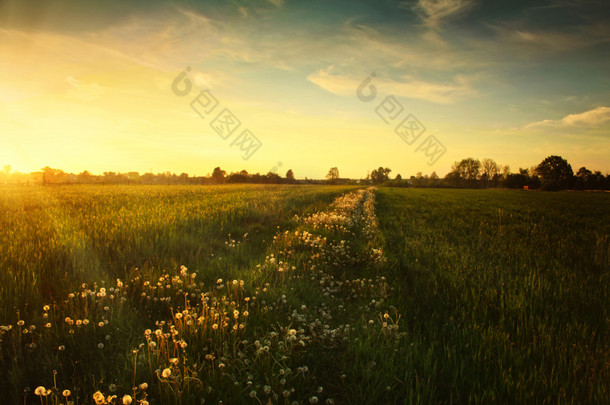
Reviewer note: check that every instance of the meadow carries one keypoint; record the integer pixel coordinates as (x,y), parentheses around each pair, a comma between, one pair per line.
(302,294)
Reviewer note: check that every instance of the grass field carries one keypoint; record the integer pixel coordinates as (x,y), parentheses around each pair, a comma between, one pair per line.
(504,295)
(297,294)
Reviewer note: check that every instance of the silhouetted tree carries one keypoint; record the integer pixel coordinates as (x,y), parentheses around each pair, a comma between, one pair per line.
(489,170)
(273,177)
(380,175)
(333,175)
(290,176)
(464,173)
(555,173)
(218,175)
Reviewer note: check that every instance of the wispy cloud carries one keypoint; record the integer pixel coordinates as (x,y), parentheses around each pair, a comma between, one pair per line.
(459,88)
(81,91)
(520,39)
(277,3)
(593,118)
(435,12)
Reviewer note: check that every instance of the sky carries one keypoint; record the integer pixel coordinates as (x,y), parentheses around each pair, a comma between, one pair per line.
(272,85)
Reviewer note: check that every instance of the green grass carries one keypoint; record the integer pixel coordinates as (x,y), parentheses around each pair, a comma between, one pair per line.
(54,238)
(505,295)
(443,296)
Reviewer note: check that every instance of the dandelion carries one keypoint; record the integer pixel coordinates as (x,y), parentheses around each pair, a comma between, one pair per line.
(313,400)
(61,348)
(46,308)
(100,345)
(112,387)
(66,393)
(252,394)
(166,373)
(143,386)
(40,391)
(127,400)
(20,323)
(98,397)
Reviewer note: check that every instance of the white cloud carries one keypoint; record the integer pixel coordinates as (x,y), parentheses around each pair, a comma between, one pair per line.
(588,119)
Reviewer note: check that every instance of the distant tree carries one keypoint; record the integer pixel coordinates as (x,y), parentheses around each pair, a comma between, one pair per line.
(583,173)
(489,170)
(555,173)
(273,177)
(380,175)
(470,168)
(50,175)
(134,177)
(398,177)
(418,180)
(110,177)
(84,177)
(583,178)
(290,175)
(218,175)
(434,181)
(515,180)
(505,171)
(333,174)
(464,173)
(588,180)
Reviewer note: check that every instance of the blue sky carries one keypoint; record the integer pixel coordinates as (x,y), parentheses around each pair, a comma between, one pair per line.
(87,85)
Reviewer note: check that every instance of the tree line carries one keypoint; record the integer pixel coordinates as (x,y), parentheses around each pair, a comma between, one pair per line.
(553,173)
(48,175)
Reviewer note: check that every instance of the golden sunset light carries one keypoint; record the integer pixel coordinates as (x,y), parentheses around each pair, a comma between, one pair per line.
(301,202)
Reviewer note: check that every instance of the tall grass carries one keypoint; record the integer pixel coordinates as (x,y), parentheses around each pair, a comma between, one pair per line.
(444,296)
(58,237)
(505,294)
